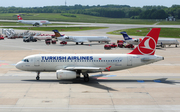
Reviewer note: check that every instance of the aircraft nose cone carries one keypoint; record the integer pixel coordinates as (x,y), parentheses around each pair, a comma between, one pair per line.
(18,65)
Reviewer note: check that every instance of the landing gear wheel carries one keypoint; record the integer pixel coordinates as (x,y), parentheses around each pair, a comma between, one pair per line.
(37,78)
(86,79)
(82,43)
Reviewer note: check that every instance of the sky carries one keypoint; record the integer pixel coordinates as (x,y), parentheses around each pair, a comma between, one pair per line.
(41,3)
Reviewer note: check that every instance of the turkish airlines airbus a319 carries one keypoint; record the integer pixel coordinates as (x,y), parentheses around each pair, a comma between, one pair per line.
(70,66)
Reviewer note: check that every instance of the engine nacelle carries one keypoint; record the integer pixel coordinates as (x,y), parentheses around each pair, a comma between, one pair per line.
(40,24)
(65,74)
(138,40)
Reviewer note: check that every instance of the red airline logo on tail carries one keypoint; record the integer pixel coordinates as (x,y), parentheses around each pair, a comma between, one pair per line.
(19,17)
(148,44)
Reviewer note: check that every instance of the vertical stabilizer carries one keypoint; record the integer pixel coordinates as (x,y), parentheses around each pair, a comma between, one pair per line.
(148,44)
(19,17)
(57,34)
(125,35)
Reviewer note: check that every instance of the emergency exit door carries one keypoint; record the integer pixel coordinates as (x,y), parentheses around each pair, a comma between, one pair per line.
(37,60)
(129,61)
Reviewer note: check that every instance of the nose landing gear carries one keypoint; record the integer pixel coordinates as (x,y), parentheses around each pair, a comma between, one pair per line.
(37,77)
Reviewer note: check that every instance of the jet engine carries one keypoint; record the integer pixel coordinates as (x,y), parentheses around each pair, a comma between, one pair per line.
(40,24)
(65,74)
(138,40)
(36,24)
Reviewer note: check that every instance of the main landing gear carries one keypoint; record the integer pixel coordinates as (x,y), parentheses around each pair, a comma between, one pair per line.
(78,43)
(86,77)
(37,77)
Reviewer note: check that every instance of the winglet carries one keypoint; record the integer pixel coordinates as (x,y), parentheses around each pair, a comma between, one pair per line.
(57,34)
(148,44)
(125,35)
(19,17)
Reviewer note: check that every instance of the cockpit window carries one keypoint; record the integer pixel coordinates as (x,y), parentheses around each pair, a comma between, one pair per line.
(25,60)
(66,37)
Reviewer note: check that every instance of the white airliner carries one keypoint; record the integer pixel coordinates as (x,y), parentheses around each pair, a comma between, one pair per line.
(33,22)
(160,43)
(81,39)
(70,66)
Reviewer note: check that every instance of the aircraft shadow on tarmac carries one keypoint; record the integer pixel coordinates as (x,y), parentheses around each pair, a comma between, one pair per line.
(94,82)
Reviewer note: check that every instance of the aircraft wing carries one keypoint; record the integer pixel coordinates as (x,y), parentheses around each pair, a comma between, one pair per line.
(83,68)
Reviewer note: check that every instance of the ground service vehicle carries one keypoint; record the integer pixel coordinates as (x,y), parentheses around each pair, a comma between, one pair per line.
(121,45)
(63,42)
(120,41)
(129,46)
(50,41)
(113,45)
(1,37)
(107,46)
(29,39)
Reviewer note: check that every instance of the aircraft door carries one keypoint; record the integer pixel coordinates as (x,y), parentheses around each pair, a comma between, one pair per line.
(129,61)
(37,60)
(74,39)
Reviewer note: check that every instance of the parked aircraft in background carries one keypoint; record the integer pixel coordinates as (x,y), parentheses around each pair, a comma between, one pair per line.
(160,43)
(70,66)
(81,39)
(33,22)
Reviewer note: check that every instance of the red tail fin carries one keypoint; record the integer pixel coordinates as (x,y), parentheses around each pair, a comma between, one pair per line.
(19,17)
(148,44)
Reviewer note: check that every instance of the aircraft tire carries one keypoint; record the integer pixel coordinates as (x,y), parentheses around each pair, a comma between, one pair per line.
(86,79)
(76,43)
(37,78)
